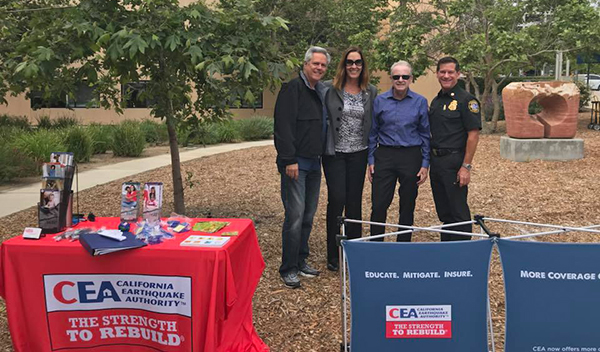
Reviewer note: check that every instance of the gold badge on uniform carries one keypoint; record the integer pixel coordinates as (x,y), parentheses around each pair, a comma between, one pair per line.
(453,105)
(474,106)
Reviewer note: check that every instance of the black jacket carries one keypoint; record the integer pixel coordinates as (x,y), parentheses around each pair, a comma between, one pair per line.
(298,122)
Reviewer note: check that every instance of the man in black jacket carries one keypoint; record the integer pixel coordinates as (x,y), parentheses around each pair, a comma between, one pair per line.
(300,133)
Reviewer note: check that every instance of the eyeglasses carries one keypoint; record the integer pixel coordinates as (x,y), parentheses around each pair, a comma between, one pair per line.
(358,62)
(404,77)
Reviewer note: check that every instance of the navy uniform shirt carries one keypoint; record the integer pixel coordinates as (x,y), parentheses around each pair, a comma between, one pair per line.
(451,116)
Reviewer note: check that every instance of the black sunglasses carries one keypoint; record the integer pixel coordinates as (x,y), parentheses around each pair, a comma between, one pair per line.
(358,62)
(397,77)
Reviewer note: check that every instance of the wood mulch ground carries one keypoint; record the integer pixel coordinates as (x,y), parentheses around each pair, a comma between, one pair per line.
(246,184)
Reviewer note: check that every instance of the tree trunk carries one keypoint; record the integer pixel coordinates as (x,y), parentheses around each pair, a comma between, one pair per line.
(468,82)
(178,196)
(475,87)
(496,103)
(484,102)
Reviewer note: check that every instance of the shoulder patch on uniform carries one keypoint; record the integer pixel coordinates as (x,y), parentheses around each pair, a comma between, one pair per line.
(474,106)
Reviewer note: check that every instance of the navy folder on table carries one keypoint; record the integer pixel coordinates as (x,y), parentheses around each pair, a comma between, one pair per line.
(99,245)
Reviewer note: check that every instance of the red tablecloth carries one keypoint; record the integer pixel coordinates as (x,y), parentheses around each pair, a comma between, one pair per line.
(163,297)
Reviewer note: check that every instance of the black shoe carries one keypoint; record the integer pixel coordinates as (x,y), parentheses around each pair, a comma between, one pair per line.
(333,267)
(291,280)
(307,271)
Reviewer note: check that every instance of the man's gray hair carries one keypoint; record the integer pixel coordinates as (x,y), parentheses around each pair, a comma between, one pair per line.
(401,63)
(316,49)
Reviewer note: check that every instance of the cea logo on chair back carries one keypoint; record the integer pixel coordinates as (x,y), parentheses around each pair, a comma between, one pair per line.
(404,322)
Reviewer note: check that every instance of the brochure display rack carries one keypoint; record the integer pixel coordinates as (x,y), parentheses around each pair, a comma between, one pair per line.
(55,209)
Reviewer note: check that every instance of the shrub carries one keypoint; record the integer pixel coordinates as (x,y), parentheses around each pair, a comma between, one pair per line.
(585,94)
(20,122)
(128,139)
(183,136)
(65,122)
(102,137)
(20,164)
(39,144)
(8,132)
(203,133)
(78,141)
(255,128)
(15,162)
(225,131)
(154,132)
(534,107)
(44,122)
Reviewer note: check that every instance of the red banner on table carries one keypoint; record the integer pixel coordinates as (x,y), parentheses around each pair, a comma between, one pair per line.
(165,297)
(145,310)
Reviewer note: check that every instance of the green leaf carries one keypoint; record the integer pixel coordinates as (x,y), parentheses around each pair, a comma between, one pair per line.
(31,70)
(136,44)
(103,39)
(227,60)
(172,42)
(200,66)
(196,53)
(283,23)
(195,14)
(249,67)
(290,64)
(21,66)
(43,54)
(249,97)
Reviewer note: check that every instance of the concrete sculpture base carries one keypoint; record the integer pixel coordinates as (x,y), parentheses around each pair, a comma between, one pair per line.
(541,149)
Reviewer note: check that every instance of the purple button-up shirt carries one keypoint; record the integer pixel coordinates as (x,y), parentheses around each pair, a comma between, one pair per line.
(400,123)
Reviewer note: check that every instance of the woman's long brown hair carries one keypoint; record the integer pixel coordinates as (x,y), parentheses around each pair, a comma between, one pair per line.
(340,75)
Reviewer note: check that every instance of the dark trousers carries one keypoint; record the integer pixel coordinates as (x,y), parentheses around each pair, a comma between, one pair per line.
(300,199)
(395,165)
(345,176)
(450,199)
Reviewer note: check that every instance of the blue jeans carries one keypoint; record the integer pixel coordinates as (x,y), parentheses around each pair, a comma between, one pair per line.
(300,199)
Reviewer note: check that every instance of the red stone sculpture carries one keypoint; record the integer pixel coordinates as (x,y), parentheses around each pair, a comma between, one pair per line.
(558,118)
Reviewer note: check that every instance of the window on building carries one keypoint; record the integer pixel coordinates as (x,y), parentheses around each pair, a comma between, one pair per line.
(133,95)
(37,101)
(257,104)
(83,95)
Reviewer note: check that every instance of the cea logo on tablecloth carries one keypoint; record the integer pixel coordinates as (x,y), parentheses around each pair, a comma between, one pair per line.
(91,310)
(404,322)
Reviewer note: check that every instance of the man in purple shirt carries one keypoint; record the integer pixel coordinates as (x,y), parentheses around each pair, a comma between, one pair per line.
(398,148)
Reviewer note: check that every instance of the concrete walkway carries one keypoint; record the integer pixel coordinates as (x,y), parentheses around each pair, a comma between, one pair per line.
(24,197)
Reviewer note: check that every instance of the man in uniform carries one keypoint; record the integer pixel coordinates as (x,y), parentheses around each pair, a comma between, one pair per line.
(455,121)
(300,134)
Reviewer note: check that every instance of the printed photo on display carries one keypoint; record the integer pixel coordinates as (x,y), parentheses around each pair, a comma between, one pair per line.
(49,209)
(52,183)
(130,194)
(152,196)
(50,198)
(63,158)
(152,201)
(53,170)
